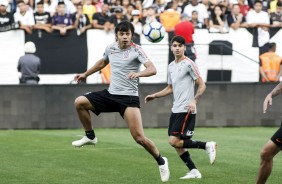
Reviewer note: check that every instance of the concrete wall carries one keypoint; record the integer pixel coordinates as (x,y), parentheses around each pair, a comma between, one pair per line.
(51,106)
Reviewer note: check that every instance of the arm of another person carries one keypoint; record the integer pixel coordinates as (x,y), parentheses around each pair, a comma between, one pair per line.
(166,91)
(101,63)
(268,99)
(280,73)
(201,89)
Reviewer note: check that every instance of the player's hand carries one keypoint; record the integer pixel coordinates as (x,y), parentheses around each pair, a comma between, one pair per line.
(267,101)
(191,107)
(79,78)
(133,75)
(149,98)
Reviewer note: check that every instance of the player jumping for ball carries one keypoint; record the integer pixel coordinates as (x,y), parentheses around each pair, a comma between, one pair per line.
(182,76)
(125,58)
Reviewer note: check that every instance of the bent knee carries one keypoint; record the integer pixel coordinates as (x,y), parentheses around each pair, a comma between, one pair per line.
(82,102)
(175,142)
(266,155)
(140,139)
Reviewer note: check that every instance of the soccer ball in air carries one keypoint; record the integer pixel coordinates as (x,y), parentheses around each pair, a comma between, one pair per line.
(154,32)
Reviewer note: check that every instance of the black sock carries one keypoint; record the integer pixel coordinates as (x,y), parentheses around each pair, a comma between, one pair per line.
(90,134)
(160,160)
(187,143)
(187,160)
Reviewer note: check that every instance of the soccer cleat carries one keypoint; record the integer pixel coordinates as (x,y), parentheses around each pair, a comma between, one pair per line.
(193,174)
(164,171)
(84,141)
(211,151)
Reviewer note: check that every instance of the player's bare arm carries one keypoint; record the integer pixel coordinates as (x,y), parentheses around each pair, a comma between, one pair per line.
(149,71)
(268,99)
(100,64)
(201,89)
(166,91)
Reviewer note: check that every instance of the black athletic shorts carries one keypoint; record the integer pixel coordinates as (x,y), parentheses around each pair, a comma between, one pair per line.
(103,101)
(182,125)
(277,137)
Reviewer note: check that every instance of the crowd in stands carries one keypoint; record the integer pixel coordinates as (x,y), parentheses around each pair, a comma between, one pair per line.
(63,15)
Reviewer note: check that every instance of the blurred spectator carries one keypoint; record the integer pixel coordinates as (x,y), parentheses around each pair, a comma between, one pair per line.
(28,7)
(62,21)
(222,3)
(89,9)
(42,19)
(150,16)
(276,17)
(128,13)
(244,5)
(203,15)
(236,19)
(69,7)
(272,5)
(159,6)
(101,20)
(270,66)
(81,21)
(125,4)
(117,17)
(186,29)
(98,5)
(137,26)
(181,5)
(6,19)
(194,20)
(217,20)
(169,19)
(24,18)
(259,19)
(208,5)
(29,65)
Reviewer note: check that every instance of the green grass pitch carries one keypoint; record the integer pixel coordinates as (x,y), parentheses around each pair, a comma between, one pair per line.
(47,157)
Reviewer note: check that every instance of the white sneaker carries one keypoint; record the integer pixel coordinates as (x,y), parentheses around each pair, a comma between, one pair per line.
(164,171)
(194,173)
(211,151)
(84,141)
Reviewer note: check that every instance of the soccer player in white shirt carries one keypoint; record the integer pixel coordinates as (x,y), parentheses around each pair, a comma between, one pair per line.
(125,58)
(183,74)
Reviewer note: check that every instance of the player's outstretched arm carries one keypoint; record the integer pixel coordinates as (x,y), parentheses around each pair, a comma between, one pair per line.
(268,99)
(100,64)
(166,91)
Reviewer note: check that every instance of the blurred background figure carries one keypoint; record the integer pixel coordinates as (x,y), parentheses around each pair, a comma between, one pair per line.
(270,68)
(24,18)
(89,9)
(42,19)
(276,16)
(217,19)
(137,26)
(62,21)
(6,19)
(81,21)
(29,65)
(236,19)
(101,20)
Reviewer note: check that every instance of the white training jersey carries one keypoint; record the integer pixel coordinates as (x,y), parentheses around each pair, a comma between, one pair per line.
(122,62)
(182,76)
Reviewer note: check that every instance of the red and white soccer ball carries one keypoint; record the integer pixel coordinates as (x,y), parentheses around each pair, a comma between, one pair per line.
(154,32)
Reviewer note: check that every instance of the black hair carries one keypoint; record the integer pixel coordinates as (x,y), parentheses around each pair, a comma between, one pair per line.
(178,39)
(20,1)
(258,2)
(279,3)
(40,2)
(124,26)
(272,45)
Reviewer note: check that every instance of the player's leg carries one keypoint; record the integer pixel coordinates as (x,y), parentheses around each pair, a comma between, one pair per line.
(268,152)
(132,116)
(181,130)
(185,157)
(83,105)
(270,149)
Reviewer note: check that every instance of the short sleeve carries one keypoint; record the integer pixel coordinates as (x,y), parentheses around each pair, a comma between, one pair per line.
(142,57)
(194,72)
(106,54)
